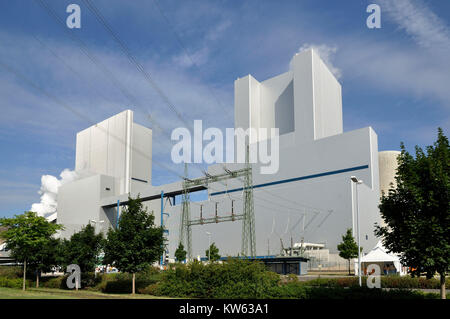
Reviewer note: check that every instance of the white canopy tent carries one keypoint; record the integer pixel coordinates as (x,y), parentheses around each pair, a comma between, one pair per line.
(379,256)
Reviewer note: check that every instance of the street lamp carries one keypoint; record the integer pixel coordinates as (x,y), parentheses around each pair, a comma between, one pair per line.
(357,182)
(209,245)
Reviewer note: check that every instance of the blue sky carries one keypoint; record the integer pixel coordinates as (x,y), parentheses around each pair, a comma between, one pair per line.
(395,79)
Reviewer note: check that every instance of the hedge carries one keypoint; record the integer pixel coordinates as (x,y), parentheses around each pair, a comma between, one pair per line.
(400,282)
(13,282)
(11,272)
(244,279)
(122,282)
(231,279)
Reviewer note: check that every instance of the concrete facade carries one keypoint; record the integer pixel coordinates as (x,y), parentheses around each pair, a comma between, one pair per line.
(388,169)
(310,198)
(306,100)
(119,148)
(116,157)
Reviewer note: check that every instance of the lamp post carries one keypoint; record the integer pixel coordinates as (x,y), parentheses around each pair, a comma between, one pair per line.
(209,245)
(357,182)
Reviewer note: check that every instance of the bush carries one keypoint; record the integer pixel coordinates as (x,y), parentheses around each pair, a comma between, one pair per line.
(118,286)
(399,282)
(245,279)
(333,282)
(122,282)
(13,282)
(88,281)
(10,282)
(290,290)
(11,272)
(54,282)
(231,279)
(150,290)
(362,293)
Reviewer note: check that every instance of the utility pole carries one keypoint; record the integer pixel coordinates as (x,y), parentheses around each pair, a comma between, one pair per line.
(185,227)
(248,245)
(357,182)
(209,245)
(248,226)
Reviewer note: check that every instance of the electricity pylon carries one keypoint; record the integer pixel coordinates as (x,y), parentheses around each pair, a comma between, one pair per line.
(185,228)
(248,247)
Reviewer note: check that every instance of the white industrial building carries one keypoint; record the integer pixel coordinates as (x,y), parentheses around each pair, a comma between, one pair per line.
(311,198)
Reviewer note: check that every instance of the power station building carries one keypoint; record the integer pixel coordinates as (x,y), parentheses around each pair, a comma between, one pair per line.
(311,197)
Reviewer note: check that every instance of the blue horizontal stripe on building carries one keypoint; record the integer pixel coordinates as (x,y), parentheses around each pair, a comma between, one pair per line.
(295,179)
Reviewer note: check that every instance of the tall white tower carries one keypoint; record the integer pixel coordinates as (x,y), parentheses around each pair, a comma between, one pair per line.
(119,148)
(305,101)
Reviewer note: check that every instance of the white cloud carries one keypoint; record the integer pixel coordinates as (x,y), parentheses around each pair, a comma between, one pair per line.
(198,58)
(418,21)
(326,53)
(216,32)
(201,56)
(40,117)
(49,192)
(419,69)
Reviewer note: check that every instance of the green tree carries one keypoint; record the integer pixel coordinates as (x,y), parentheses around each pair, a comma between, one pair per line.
(212,253)
(83,249)
(348,249)
(180,253)
(27,236)
(136,243)
(417,211)
(46,258)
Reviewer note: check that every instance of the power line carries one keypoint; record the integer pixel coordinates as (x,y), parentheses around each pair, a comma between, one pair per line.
(67,65)
(185,50)
(82,116)
(84,49)
(103,68)
(133,60)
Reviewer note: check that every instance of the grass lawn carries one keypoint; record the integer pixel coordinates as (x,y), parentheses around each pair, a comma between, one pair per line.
(48,293)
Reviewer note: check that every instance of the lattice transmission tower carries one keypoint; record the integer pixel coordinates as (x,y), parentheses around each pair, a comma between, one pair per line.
(248,245)
(185,229)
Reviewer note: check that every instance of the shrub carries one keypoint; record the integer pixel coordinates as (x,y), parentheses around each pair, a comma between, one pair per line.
(150,290)
(290,290)
(88,281)
(54,282)
(231,279)
(13,282)
(122,282)
(11,272)
(400,282)
(333,282)
(118,286)
(362,293)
